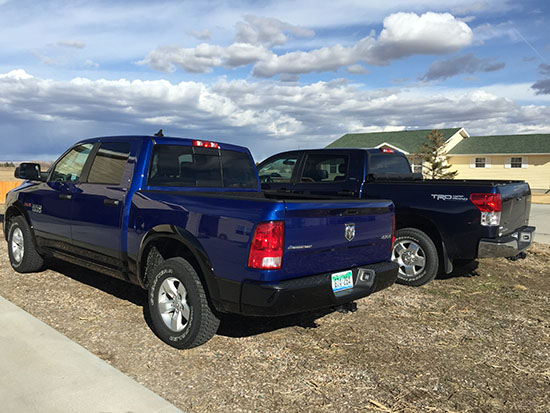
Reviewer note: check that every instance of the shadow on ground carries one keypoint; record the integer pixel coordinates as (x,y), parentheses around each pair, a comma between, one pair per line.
(231,325)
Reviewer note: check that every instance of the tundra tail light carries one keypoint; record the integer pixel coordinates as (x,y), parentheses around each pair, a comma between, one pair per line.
(266,248)
(206,144)
(490,206)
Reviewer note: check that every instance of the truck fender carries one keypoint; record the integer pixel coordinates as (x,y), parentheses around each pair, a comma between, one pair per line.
(187,241)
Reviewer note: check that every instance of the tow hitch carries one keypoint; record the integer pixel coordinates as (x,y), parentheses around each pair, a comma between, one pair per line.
(346,308)
(521,256)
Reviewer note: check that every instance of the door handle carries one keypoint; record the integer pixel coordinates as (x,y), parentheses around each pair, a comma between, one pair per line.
(65,196)
(111,202)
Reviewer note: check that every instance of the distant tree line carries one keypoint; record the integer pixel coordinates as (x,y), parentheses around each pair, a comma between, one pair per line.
(7,165)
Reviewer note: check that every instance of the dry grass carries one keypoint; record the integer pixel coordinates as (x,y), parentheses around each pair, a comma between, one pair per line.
(476,341)
(6,174)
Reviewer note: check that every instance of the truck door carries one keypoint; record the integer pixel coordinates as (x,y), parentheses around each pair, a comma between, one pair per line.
(328,174)
(52,202)
(99,204)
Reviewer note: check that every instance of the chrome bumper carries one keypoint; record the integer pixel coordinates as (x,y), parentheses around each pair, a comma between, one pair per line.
(507,246)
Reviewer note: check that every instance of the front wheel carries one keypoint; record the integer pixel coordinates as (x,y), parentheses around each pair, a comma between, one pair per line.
(417,257)
(23,254)
(180,313)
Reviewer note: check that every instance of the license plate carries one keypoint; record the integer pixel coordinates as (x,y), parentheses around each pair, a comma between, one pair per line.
(342,281)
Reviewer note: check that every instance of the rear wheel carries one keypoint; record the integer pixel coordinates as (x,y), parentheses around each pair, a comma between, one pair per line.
(180,313)
(417,257)
(21,249)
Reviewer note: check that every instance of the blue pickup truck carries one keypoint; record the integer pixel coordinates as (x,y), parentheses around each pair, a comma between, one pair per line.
(186,220)
(439,222)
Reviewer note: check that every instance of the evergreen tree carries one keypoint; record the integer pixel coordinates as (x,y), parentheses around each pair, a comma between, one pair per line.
(434,156)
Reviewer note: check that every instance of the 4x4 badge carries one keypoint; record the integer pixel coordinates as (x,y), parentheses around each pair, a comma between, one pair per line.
(350,231)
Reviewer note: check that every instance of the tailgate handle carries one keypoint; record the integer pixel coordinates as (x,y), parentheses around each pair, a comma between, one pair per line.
(352,212)
(346,192)
(111,202)
(65,196)
(286,191)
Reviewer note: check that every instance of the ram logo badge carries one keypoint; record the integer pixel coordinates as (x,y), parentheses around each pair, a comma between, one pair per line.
(350,231)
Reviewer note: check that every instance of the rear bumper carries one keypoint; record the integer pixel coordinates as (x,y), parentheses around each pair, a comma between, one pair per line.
(313,292)
(507,246)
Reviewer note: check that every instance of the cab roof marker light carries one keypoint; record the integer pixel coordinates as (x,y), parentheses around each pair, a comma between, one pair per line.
(206,144)
(387,150)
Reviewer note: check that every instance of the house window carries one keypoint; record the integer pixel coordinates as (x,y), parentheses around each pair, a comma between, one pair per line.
(515,162)
(481,162)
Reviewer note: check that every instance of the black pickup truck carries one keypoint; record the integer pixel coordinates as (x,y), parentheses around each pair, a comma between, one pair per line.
(439,222)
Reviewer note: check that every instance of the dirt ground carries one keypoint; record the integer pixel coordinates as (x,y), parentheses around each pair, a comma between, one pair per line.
(478,340)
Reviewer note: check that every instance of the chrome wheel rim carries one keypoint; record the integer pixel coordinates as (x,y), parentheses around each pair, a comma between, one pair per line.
(17,245)
(410,257)
(172,304)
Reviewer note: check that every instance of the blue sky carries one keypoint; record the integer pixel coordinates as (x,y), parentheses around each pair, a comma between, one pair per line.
(269,75)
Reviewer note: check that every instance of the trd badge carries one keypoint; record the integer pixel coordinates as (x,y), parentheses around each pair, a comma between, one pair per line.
(350,231)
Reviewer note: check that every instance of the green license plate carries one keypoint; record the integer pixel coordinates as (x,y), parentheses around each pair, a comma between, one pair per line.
(342,280)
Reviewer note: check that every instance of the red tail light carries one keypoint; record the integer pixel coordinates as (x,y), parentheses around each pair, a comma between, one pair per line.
(487,202)
(387,150)
(266,248)
(206,144)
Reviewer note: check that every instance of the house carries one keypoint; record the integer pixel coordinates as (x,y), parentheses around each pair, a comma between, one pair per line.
(524,157)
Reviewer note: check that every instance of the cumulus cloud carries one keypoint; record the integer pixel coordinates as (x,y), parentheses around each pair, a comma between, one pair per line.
(542,87)
(468,63)
(403,34)
(265,116)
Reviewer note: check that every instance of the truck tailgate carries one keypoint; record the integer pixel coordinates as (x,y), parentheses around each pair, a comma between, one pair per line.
(322,237)
(516,206)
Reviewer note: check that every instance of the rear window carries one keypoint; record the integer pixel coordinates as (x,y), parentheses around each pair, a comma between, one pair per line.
(190,166)
(381,163)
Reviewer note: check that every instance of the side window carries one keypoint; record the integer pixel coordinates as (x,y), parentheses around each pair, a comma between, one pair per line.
(69,168)
(109,163)
(238,170)
(279,170)
(325,168)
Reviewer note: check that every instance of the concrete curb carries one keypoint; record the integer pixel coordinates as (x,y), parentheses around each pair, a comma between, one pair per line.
(41,370)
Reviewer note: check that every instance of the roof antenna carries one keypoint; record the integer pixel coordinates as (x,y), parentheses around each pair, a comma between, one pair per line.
(159,134)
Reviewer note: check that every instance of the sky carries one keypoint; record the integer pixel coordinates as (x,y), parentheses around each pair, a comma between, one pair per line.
(268,75)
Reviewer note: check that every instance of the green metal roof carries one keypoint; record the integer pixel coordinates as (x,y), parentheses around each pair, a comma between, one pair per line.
(520,144)
(408,140)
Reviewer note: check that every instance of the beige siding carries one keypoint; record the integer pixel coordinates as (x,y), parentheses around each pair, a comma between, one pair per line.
(537,172)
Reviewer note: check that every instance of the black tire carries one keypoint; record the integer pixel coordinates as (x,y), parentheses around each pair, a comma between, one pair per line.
(21,249)
(417,257)
(179,309)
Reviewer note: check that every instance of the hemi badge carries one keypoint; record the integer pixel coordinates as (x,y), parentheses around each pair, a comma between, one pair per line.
(27,204)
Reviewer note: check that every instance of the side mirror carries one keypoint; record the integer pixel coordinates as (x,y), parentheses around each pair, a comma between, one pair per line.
(30,171)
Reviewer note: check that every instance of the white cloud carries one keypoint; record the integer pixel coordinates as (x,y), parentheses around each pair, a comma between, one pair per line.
(267,31)
(404,34)
(357,69)
(268,117)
